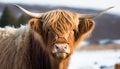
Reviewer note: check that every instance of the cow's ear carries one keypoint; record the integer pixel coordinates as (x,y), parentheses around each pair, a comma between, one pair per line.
(35,25)
(85,27)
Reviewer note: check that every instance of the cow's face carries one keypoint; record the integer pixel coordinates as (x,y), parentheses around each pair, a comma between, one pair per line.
(61,32)
(61,42)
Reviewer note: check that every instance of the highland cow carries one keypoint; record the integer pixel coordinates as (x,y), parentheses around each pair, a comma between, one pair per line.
(46,42)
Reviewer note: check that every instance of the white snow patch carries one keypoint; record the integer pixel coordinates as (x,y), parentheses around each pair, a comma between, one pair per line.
(104,41)
(94,59)
(116,41)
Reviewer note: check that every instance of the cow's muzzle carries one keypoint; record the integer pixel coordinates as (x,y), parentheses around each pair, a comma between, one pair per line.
(61,51)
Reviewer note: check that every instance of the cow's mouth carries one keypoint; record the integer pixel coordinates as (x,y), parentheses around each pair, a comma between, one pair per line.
(60,55)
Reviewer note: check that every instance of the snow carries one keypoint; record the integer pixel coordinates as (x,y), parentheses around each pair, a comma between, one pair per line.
(84,43)
(104,41)
(109,41)
(116,41)
(94,59)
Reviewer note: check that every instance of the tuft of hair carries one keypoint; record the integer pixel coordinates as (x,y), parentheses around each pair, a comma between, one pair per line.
(60,21)
(11,32)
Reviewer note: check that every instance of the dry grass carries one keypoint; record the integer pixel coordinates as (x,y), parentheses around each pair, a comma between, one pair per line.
(101,47)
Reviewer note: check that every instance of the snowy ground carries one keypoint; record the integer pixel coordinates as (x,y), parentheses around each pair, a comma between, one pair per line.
(94,59)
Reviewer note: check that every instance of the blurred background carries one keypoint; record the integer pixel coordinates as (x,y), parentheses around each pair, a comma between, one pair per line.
(100,51)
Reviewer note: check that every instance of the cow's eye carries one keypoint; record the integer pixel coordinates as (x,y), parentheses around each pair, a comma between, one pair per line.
(48,30)
(41,20)
(74,30)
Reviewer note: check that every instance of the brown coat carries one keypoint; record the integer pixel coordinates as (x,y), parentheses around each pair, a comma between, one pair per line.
(32,46)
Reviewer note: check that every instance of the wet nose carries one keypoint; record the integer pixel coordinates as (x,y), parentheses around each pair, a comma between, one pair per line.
(61,48)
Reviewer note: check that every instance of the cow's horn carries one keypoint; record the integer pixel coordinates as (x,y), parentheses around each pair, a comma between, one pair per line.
(94,15)
(36,15)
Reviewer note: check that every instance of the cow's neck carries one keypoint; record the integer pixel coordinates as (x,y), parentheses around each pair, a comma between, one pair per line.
(37,57)
(57,64)
(40,59)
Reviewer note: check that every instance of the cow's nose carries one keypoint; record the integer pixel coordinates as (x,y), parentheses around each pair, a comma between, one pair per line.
(61,48)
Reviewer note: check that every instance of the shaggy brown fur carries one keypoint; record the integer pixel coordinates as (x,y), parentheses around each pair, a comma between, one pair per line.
(30,47)
(61,21)
(117,66)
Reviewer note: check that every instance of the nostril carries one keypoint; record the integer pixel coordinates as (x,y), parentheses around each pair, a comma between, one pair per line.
(56,47)
(65,47)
